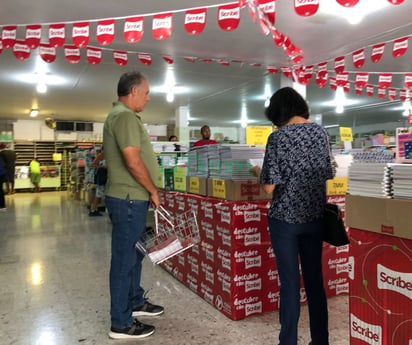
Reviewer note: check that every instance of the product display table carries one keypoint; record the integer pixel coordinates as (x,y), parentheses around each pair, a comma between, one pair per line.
(233,267)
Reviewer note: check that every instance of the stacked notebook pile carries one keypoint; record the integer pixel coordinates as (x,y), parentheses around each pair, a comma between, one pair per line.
(198,160)
(402,180)
(370,179)
(235,161)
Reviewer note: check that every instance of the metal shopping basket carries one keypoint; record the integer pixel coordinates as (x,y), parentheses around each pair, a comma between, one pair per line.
(170,236)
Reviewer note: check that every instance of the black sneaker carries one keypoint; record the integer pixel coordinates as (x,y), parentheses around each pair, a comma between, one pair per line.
(148,309)
(136,331)
(94,214)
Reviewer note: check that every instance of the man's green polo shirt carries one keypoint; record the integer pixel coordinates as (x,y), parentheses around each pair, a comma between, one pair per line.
(124,128)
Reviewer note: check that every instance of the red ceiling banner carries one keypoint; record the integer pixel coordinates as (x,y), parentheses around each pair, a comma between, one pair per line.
(340,64)
(396,2)
(57,35)
(342,79)
(162,26)
(347,3)
(381,93)
(105,31)
(228,17)
(47,52)
(400,46)
(33,36)
(408,80)
(133,29)
(168,59)
(195,21)
(332,83)
(145,59)
(358,58)
(21,50)
(362,79)
(385,80)
(120,57)
(377,52)
(1,45)
(81,34)
(322,78)
(272,69)
(369,90)
(8,36)
(267,15)
(287,72)
(93,55)
(392,94)
(306,7)
(403,95)
(358,90)
(72,54)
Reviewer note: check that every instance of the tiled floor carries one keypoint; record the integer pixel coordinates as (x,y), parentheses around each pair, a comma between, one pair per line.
(54,263)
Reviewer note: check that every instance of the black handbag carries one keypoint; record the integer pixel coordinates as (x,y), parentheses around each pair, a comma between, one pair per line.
(334,231)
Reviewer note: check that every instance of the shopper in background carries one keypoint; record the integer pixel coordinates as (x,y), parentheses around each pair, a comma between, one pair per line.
(2,179)
(132,168)
(295,168)
(173,138)
(205,132)
(9,157)
(35,176)
(100,179)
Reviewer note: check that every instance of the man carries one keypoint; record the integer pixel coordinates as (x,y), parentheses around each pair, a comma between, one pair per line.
(35,174)
(205,132)
(132,168)
(9,157)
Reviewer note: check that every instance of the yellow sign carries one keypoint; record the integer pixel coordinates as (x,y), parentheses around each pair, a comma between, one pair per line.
(337,186)
(257,135)
(194,185)
(219,188)
(345,134)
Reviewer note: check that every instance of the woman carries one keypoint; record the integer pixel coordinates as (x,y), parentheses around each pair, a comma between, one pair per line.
(295,168)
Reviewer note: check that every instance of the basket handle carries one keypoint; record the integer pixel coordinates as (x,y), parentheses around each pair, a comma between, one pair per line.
(161,212)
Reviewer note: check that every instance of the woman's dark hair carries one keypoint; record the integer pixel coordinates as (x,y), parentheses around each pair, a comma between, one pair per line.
(284,104)
(127,81)
(172,137)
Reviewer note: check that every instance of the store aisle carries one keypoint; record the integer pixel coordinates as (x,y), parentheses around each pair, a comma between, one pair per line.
(54,262)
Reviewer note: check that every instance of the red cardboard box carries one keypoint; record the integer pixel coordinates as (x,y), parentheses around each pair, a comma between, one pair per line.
(380,301)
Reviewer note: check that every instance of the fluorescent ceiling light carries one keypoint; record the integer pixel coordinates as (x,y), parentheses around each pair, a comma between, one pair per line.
(353,14)
(34,112)
(41,88)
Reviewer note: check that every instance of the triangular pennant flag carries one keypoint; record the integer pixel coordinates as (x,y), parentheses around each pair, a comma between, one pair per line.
(57,35)
(377,52)
(272,69)
(195,21)
(222,62)
(47,52)
(339,64)
(190,58)
(322,70)
(120,57)
(33,36)
(72,54)
(8,36)
(278,38)
(369,90)
(358,90)
(346,87)
(162,26)
(133,29)
(322,78)
(105,31)
(205,60)
(362,79)
(403,95)
(81,34)
(392,94)
(332,83)
(342,79)
(21,50)
(268,8)
(400,46)
(381,93)
(358,58)
(287,72)
(306,8)
(168,59)
(228,17)
(385,80)
(93,55)
(144,58)
(347,3)
(408,80)
(297,59)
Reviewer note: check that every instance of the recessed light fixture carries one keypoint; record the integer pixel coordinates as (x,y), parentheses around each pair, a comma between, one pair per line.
(34,112)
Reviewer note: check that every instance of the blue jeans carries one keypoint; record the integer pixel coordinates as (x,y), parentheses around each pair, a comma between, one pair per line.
(291,241)
(128,226)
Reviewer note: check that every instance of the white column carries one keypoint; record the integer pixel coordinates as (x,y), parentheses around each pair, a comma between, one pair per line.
(182,124)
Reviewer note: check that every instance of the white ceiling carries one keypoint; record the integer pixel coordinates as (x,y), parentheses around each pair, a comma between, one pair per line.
(215,92)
